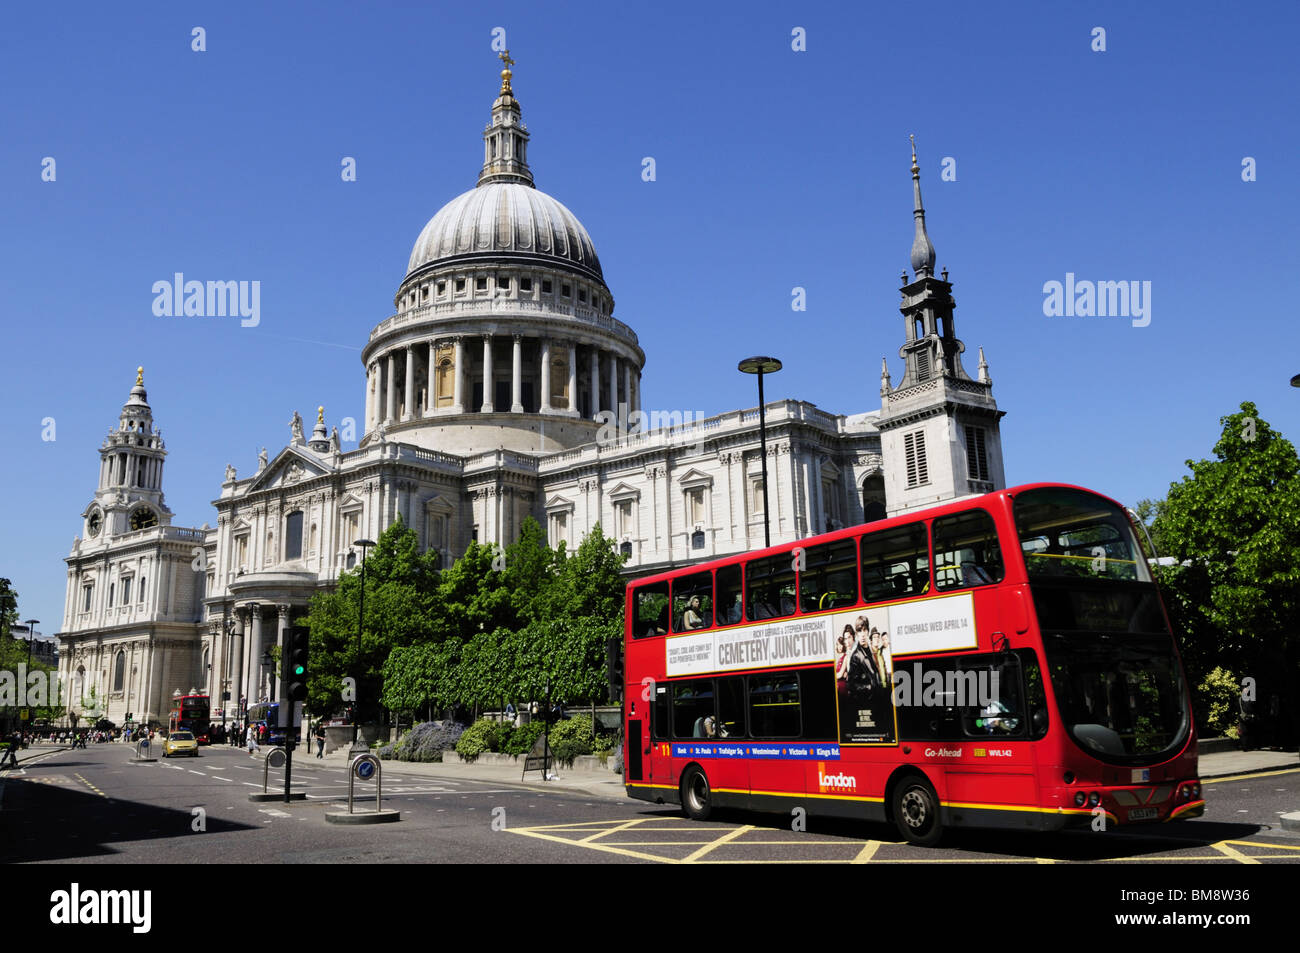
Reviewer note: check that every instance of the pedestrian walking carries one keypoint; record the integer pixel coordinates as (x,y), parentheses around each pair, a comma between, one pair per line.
(320,740)
(252,739)
(11,752)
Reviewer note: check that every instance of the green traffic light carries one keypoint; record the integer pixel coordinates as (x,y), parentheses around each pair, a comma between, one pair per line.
(298,670)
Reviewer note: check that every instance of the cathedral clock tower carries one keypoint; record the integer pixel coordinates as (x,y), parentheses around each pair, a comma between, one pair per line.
(129,496)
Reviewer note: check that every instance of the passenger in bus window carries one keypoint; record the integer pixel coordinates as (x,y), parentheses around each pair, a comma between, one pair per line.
(692,619)
(763,608)
(736,612)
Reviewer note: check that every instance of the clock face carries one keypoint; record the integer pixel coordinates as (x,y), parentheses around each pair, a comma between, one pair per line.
(143,519)
(94,524)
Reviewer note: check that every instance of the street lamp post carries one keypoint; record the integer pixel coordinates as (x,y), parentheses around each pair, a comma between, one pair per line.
(31,634)
(761,366)
(365,544)
(227,645)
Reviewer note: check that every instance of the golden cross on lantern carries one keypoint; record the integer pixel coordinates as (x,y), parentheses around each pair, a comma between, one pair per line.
(505,58)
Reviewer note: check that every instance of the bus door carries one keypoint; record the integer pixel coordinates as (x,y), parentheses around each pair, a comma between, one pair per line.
(995,725)
(636,738)
(772,701)
(659,764)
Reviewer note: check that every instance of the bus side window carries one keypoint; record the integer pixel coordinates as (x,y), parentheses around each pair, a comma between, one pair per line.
(730,609)
(731,707)
(693,602)
(651,606)
(896,563)
(966,551)
(829,578)
(769,585)
(693,711)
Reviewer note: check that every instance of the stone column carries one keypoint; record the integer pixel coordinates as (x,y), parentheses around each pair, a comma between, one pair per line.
(255,652)
(516,376)
(408,403)
(430,395)
(370,396)
(237,659)
(282,639)
(487,375)
(627,386)
(215,658)
(546,376)
(573,380)
(390,411)
(595,381)
(613,383)
(458,390)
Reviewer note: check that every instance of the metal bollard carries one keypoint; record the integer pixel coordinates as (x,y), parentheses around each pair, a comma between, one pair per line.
(266,766)
(355,768)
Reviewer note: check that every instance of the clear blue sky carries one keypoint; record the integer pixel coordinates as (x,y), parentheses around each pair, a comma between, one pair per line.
(775,169)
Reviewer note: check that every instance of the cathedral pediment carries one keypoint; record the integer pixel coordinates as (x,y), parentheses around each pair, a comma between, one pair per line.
(693,478)
(624,491)
(290,467)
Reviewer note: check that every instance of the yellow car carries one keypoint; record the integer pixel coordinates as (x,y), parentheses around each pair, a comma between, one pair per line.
(180,742)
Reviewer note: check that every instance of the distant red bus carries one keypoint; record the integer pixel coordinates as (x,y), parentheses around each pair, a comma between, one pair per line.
(190,713)
(998,661)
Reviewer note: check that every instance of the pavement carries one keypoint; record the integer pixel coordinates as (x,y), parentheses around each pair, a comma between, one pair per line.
(1217,760)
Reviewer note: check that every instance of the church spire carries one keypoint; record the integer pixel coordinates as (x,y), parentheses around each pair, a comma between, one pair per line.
(505,140)
(922,250)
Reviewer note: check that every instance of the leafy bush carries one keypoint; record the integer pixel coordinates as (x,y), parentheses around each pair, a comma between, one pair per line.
(573,737)
(523,738)
(485,734)
(1220,692)
(425,742)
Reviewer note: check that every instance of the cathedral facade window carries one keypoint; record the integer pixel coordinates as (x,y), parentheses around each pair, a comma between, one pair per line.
(293,535)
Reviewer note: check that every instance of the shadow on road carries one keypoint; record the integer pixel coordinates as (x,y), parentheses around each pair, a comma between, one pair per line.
(46,821)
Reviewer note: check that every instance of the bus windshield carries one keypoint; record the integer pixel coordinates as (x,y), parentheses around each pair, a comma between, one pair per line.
(1066,533)
(1109,650)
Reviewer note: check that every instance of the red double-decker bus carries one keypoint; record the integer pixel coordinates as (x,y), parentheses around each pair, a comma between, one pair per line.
(999,661)
(190,713)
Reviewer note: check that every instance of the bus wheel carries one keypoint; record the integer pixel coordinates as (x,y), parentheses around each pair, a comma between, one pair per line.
(695,794)
(916,812)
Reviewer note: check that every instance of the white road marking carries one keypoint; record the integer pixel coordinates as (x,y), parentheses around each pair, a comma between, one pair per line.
(215,778)
(199,773)
(273,812)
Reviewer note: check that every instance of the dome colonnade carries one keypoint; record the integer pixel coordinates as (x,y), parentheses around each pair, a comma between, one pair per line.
(504,311)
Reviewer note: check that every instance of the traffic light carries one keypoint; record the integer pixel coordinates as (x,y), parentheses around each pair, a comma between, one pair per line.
(296,670)
(614,668)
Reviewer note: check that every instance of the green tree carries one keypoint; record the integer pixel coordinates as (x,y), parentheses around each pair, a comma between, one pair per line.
(401,591)
(1232,529)
(8,608)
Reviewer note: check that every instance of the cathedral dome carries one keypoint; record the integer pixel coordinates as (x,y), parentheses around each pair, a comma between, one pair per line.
(505,219)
